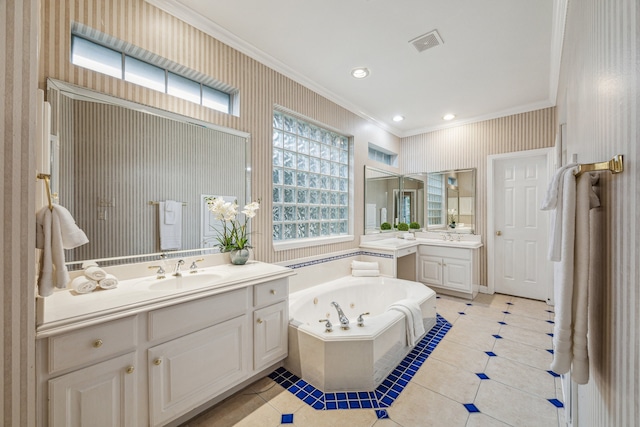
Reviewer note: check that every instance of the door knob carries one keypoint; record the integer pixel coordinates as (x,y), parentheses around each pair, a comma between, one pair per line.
(498,233)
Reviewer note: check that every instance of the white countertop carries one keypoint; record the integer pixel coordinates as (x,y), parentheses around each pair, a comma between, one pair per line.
(395,243)
(66,307)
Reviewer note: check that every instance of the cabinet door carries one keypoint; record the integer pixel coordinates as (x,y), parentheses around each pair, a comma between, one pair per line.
(103,394)
(430,270)
(270,334)
(188,371)
(457,274)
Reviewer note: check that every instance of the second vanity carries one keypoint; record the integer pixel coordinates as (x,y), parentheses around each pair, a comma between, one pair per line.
(448,263)
(156,351)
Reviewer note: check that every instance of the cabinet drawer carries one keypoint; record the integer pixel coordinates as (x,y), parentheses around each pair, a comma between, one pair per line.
(406,251)
(191,316)
(92,344)
(445,252)
(266,293)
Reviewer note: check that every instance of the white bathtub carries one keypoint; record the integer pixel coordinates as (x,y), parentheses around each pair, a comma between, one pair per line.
(357,359)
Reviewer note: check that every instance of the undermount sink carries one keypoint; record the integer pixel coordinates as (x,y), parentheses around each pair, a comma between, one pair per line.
(186,281)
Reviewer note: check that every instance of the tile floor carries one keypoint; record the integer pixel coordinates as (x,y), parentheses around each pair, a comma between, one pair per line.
(490,369)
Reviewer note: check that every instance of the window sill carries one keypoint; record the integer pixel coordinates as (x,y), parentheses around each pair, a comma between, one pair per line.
(306,243)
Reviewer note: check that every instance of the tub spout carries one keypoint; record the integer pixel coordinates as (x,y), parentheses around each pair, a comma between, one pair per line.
(344,321)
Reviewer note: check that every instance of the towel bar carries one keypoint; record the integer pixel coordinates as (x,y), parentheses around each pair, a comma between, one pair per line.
(615,165)
(151,202)
(46,179)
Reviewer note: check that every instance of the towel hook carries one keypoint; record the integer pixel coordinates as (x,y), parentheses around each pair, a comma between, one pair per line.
(46,178)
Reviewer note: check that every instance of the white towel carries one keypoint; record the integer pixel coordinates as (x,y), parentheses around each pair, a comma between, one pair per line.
(109,282)
(383,215)
(365,273)
(83,285)
(170,209)
(413,319)
(370,216)
(55,231)
(364,265)
(555,193)
(170,234)
(95,273)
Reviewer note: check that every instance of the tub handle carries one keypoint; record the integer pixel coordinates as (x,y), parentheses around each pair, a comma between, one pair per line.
(361,319)
(328,326)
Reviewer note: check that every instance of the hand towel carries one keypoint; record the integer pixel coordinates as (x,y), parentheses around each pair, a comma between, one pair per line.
(170,209)
(364,265)
(554,190)
(83,285)
(72,236)
(555,193)
(109,282)
(95,273)
(563,280)
(383,215)
(365,273)
(170,234)
(413,319)
(370,216)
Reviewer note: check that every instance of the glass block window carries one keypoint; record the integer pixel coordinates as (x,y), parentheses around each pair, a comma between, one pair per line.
(435,199)
(310,180)
(381,155)
(88,54)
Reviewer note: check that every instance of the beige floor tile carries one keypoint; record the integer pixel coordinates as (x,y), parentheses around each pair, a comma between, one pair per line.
(522,377)
(478,324)
(526,354)
(495,300)
(524,322)
(306,416)
(515,407)
(450,315)
(482,420)
(461,356)
(493,313)
(238,410)
(448,380)
(386,422)
(282,400)
(446,303)
(526,336)
(420,407)
(476,338)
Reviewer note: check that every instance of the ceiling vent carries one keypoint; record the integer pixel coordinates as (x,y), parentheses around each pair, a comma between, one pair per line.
(427,41)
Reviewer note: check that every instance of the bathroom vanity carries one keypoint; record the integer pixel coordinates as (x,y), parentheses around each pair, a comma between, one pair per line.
(445,262)
(157,351)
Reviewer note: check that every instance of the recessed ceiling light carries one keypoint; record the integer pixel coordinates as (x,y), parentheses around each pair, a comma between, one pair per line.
(360,72)
(449,117)
(398,118)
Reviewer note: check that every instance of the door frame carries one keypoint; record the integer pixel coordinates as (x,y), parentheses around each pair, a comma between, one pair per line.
(550,155)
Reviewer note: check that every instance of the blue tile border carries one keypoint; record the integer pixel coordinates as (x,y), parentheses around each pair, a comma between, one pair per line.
(338,257)
(383,396)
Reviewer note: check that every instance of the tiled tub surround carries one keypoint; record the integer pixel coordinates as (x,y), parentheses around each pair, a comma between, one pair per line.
(459,384)
(360,357)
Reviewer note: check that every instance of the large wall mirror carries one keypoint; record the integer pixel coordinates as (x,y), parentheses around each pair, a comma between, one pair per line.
(114,160)
(451,201)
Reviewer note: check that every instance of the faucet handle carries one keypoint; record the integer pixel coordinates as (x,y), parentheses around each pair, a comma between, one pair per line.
(361,319)
(328,326)
(194,266)
(160,271)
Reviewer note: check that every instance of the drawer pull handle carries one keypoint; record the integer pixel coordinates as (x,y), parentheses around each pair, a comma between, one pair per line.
(259,320)
(273,291)
(130,370)
(157,361)
(97,343)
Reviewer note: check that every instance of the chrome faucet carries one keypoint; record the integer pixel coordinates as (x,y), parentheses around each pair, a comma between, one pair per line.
(160,272)
(344,320)
(176,270)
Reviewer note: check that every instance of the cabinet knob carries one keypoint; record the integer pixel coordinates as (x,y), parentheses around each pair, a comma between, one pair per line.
(259,320)
(157,361)
(498,233)
(273,291)
(130,370)
(97,343)
(444,265)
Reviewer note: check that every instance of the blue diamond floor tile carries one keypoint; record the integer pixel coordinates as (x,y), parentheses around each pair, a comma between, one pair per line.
(382,414)
(502,323)
(482,376)
(553,374)
(550,350)
(471,407)
(550,321)
(556,403)
(386,393)
(286,419)
(490,353)
(498,337)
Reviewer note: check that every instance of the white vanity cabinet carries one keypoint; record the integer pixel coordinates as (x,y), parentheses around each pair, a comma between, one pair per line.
(162,361)
(449,269)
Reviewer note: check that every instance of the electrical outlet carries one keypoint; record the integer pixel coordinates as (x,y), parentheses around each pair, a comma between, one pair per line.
(102,214)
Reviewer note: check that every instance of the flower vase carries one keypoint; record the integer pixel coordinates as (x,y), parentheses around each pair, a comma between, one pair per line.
(239,256)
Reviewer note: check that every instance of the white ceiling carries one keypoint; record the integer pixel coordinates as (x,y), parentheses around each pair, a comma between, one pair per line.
(499,57)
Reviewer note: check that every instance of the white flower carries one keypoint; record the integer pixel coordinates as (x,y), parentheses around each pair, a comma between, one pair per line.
(223,211)
(250,209)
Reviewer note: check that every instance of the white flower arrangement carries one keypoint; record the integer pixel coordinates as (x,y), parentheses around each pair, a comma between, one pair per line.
(452,216)
(234,232)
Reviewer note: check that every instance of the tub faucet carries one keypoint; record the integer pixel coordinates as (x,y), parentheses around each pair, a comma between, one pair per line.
(176,270)
(344,321)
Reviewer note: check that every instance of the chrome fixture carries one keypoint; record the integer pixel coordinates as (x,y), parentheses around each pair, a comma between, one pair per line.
(328,327)
(194,266)
(160,273)
(361,320)
(344,320)
(176,270)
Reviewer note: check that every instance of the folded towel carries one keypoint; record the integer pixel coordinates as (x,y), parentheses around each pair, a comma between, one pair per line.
(413,319)
(365,273)
(95,273)
(109,282)
(170,234)
(409,236)
(363,265)
(83,285)
(170,209)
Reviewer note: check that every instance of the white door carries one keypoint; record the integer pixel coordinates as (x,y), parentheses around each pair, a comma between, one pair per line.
(520,241)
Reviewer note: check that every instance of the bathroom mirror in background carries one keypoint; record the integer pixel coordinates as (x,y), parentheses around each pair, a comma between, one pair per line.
(113,161)
(410,200)
(379,191)
(451,201)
